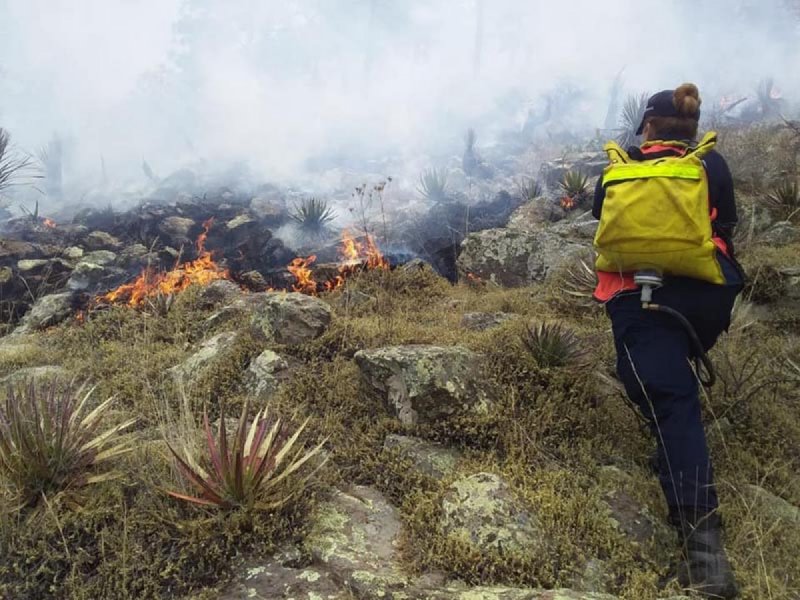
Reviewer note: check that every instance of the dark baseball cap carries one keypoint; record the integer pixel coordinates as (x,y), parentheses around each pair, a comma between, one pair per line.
(660,105)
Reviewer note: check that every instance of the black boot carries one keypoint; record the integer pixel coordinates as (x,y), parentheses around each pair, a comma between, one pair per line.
(705,568)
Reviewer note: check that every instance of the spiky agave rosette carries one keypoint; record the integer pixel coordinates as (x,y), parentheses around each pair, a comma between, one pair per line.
(257,471)
(47,444)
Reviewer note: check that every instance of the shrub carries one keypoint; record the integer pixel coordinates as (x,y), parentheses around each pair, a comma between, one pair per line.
(255,472)
(313,215)
(48,444)
(530,189)
(575,186)
(433,185)
(553,345)
(785,198)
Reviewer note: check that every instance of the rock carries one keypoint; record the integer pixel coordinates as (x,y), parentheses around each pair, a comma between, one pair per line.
(41,374)
(47,311)
(239,221)
(428,458)
(73,253)
(272,580)
(514,258)
(481,510)
(6,274)
(290,319)
(88,274)
(782,233)
(100,240)
(100,257)
(588,163)
(772,506)
(133,254)
(791,280)
(221,291)
(483,321)
(507,593)
(423,384)
(209,351)
(262,377)
(26,266)
(356,535)
(176,229)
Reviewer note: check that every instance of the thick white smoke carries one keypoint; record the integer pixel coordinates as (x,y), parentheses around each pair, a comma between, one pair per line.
(287,85)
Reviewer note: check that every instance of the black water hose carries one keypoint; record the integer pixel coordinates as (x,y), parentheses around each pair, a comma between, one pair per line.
(705,368)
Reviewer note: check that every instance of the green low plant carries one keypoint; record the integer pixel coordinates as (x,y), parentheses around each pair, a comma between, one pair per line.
(313,215)
(433,185)
(785,198)
(48,441)
(255,472)
(553,345)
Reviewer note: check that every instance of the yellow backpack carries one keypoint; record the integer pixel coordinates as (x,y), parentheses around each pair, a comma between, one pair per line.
(656,215)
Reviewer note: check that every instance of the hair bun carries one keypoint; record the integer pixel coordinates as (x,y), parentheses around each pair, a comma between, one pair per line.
(687,100)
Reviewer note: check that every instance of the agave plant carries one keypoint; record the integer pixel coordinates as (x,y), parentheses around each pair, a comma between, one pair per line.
(579,280)
(575,186)
(11,166)
(313,215)
(785,198)
(260,469)
(49,442)
(433,185)
(553,345)
(630,118)
(530,189)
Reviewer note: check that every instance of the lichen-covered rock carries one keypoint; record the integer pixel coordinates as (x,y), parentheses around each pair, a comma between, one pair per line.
(38,374)
(219,292)
(423,384)
(272,580)
(772,506)
(590,164)
(47,311)
(262,377)
(209,351)
(479,321)
(781,233)
(289,318)
(88,274)
(481,510)
(356,535)
(428,458)
(176,229)
(791,281)
(507,593)
(101,240)
(514,258)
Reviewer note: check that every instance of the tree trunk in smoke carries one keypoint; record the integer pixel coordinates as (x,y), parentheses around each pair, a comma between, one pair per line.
(612,115)
(479,12)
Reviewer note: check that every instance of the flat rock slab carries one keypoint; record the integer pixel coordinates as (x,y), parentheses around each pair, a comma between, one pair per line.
(356,536)
(273,580)
(424,384)
(289,318)
(47,311)
(479,321)
(210,351)
(428,458)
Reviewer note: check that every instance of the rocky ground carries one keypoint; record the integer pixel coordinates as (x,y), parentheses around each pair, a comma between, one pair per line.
(461,463)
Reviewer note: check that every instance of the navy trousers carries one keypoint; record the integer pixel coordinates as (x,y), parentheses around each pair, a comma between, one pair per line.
(653,353)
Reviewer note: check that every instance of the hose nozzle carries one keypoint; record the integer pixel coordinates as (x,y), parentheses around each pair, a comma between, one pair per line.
(648,280)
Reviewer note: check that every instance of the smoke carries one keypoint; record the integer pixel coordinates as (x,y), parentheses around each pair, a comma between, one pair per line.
(292,86)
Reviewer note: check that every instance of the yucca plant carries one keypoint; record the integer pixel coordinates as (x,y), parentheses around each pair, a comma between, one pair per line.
(575,186)
(50,441)
(433,185)
(260,469)
(553,345)
(630,118)
(579,280)
(530,189)
(11,165)
(313,215)
(785,198)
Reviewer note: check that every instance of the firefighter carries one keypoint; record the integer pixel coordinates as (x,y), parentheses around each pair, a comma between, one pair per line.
(667,208)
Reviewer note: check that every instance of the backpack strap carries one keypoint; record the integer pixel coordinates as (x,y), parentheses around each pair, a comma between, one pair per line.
(705,145)
(615,153)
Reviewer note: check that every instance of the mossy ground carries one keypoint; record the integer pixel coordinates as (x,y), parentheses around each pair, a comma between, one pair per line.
(550,434)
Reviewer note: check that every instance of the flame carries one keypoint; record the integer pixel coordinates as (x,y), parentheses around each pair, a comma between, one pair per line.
(568,203)
(355,256)
(301,269)
(49,223)
(203,270)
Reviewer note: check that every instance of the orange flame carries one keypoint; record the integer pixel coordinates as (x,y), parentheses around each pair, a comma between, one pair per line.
(49,223)
(355,256)
(203,270)
(568,203)
(301,269)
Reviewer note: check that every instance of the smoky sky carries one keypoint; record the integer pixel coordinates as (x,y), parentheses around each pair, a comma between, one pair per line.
(279,84)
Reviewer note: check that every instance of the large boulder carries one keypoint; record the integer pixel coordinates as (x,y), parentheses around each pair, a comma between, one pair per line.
(781,233)
(423,384)
(264,374)
(47,311)
(515,258)
(482,511)
(289,318)
(775,508)
(590,164)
